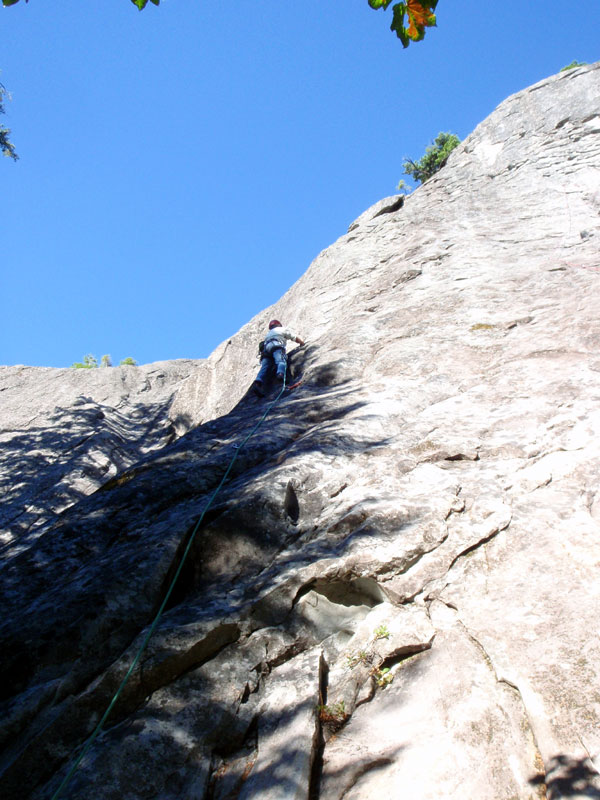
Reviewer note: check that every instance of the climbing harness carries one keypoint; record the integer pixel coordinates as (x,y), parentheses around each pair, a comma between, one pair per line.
(159,613)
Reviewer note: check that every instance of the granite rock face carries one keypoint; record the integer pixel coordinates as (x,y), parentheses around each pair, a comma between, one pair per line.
(396,592)
(65,432)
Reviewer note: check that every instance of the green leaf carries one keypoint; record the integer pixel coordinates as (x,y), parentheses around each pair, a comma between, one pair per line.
(399,11)
(379,3)
(10,2)
(420,16)
(139,3)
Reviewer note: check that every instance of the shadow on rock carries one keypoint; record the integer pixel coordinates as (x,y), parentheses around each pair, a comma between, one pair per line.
(569,777)
(90,581)
(50,468)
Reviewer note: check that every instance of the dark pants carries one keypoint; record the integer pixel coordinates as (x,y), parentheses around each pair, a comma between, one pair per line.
(275,361)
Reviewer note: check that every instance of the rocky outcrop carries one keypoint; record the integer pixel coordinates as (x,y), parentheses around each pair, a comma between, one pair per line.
(395,593)
(65,432)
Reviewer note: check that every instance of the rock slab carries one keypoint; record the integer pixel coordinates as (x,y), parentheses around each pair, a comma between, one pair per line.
(396,591)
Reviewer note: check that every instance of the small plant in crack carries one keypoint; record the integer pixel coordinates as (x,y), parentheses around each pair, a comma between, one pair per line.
(382,632)
(383,676)
(335,713)
(361,657)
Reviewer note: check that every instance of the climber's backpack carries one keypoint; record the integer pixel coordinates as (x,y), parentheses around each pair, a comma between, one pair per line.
(261,349)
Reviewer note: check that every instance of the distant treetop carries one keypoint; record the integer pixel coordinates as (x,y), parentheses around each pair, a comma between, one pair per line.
(574,64)
(91,362)
(434,159)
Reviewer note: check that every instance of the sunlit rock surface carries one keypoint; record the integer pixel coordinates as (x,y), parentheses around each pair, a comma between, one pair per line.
(397,591)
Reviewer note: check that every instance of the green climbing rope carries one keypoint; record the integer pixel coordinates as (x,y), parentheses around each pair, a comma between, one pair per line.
(159,613)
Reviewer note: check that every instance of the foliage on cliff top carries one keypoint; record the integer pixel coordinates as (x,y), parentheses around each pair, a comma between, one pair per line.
(574,65)
(91,362)
(434,159)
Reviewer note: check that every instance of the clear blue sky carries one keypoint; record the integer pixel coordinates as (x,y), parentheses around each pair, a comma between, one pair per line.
(180,167)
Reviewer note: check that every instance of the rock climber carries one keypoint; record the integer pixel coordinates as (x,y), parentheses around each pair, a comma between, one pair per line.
(273,355)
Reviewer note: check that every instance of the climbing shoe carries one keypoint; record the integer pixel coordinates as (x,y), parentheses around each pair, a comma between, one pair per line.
(257,388)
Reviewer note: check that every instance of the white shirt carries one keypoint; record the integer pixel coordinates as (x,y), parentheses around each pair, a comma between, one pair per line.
(281,333)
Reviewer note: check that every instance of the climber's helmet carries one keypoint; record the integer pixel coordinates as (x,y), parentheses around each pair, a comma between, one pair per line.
(274,324)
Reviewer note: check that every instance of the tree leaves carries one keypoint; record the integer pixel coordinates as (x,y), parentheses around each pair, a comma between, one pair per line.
(7,148)
(139,3)
(434,159)
(410,18)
